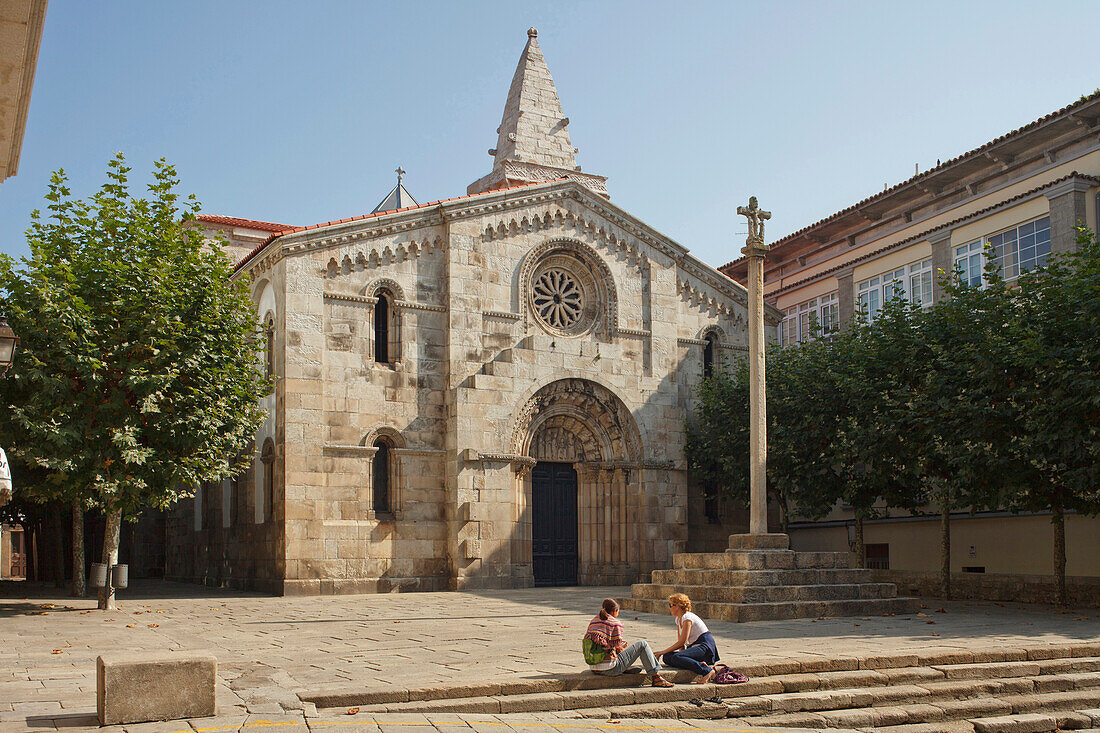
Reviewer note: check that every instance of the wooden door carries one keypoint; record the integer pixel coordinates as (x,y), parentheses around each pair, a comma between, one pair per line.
(554,524)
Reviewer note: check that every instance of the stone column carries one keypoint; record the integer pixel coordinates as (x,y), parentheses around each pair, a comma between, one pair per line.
(1067,212)
(942,262)
(755,249)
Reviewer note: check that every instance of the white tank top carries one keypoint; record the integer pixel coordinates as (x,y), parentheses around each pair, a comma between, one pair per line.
(698,628)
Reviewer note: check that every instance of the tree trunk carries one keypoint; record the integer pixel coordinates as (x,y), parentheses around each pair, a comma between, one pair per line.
(945,550)
(110,556)
(1059,520)
(861,548)
(34,551)
(784,515)
(78,551)
(57,543)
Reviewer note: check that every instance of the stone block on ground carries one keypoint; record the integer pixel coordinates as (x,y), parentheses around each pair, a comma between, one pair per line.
(1028,723)
(142,688)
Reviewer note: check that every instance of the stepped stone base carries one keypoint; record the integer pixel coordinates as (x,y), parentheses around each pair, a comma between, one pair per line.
(760,579)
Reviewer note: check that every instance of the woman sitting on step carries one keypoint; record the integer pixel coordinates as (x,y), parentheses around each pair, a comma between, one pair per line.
(606,651)
(694,649)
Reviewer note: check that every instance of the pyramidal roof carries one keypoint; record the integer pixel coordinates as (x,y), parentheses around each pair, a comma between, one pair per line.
(533,138)
(398,198)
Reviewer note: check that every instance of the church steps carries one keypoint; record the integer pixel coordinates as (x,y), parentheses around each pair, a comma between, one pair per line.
(766,594)
(999,697)
(759,560)
(764,611)
(760,577)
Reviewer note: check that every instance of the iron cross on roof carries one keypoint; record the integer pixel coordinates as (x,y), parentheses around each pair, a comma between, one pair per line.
(756,217)
(400,172)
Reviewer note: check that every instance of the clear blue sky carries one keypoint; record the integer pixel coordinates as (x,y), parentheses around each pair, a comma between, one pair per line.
(298,112)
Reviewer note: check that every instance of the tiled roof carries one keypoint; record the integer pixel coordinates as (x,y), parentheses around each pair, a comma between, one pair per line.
(293,229)
(265,226)
(946,225)
(931,171)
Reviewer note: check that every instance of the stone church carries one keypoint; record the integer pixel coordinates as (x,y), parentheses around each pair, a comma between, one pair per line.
(488,391)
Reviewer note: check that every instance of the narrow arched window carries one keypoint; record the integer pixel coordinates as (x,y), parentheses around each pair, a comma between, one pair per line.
(380,477)
(267,460)
(708,355)
(382,328)
(269,346)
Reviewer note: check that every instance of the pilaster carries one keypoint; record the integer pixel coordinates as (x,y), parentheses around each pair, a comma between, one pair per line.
(1067,212)
(941,262)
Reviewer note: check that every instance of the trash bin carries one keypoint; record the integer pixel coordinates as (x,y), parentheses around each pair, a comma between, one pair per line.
(120,574)
(98,578)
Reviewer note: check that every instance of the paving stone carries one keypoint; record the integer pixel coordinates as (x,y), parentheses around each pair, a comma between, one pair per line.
(943,726)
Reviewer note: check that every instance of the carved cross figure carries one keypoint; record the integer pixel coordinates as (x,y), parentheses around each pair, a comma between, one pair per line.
(756,217)
(400,172)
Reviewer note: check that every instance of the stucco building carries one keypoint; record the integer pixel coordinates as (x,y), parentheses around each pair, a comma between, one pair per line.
(484,391)
(1024,193)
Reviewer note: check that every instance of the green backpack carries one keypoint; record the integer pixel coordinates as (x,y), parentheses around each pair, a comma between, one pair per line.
(593,653)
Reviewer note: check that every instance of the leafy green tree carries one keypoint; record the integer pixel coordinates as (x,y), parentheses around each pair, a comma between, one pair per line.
(137,377)
(1054,365)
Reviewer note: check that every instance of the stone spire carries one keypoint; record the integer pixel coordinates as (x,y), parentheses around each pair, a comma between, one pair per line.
(533,138)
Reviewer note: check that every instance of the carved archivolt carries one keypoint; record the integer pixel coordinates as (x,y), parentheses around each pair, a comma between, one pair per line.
(576,275)
(576,420)
(383,431)
(384,283)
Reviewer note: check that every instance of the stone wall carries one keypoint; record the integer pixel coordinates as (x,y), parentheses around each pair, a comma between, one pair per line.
(983,587)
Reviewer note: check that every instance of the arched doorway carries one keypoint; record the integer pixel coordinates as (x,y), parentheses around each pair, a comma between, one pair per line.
(583,492)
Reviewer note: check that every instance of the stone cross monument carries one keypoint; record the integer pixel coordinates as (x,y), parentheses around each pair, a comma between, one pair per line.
(755,249)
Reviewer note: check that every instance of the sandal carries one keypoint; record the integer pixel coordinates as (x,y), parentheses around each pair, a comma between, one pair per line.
(696,701)
(659,681)
(716,699)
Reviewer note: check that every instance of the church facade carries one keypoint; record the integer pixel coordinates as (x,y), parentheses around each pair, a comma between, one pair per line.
(489,391)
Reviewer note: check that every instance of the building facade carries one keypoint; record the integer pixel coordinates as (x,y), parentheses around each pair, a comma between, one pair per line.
(488,391)
(1023,193)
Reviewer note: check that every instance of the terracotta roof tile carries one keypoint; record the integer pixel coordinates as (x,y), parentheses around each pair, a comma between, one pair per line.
(292,229)
(946,225)
(976,151)
(265,226)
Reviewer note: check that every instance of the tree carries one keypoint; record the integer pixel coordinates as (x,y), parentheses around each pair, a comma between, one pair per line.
(1055,366)
(138,373)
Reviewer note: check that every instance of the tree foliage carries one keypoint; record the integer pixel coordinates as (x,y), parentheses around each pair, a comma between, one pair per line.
(137,373)
(988,400)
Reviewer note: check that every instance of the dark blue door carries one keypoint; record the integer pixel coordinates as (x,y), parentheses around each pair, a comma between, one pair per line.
(554,524)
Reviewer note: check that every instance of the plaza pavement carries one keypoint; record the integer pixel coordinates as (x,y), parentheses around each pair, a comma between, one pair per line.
(269,649)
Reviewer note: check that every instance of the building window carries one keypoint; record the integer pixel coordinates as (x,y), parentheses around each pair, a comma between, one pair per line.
(386,328)
(878,556)
(708,356)
(817,317)
(912,281)
(269,347)
(267,461)
(1014,250)
(380,477)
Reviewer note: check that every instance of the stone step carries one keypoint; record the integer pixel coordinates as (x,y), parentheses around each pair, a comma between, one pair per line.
(766,594)
(759,560)
(771,541)
(742,612)
(954,674)
(761,577)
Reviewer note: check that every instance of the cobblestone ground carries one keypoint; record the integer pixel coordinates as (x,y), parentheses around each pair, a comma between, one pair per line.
(269,649)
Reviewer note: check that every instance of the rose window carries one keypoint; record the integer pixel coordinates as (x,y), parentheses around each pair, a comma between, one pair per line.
(557,298)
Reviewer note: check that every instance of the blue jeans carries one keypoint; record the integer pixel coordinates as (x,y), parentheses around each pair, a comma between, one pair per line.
(629,655)
(694,658)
